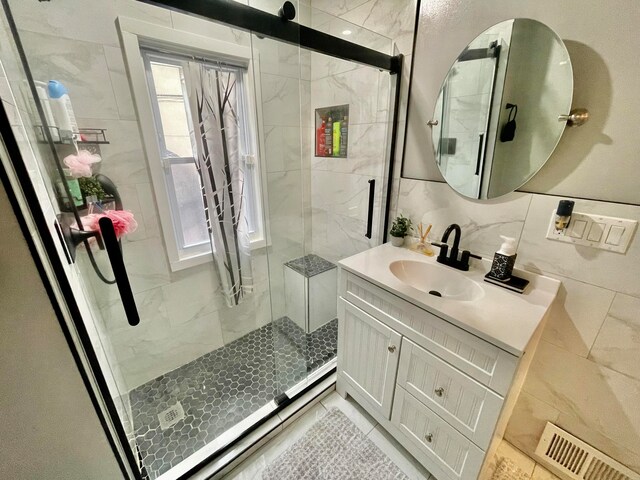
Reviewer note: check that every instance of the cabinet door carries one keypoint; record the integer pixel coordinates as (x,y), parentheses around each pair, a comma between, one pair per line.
(368,353)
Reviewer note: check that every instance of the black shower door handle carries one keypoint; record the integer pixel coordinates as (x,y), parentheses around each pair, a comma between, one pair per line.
(119,271)
(372,191)
(479,158)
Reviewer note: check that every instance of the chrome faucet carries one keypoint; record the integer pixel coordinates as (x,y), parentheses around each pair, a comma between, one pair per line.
(461,262)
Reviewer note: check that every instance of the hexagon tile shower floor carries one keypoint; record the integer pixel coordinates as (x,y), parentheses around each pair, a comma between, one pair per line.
(216,391)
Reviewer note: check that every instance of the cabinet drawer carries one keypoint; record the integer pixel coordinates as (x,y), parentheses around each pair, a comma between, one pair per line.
(452,453)
(481,360)
(468,406)
(368,355)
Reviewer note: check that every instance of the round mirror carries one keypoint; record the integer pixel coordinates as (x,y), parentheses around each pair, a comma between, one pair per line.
(496,119)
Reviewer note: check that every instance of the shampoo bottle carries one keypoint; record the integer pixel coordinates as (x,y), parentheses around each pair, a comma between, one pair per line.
(320,143)
(336,139)
(62,109)
(504,260)
(343,136)
(328,138)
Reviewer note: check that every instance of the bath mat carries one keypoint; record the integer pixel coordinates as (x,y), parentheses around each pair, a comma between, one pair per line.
(333,449)
(508,470)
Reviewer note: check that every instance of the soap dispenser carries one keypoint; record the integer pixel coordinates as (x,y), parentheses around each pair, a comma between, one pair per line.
(504,259)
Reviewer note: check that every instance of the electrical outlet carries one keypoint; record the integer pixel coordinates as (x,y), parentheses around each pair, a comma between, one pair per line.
(597,231)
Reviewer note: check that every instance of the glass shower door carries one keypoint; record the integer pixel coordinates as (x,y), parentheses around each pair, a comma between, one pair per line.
(348,186)
(280,82)
(55,197)
(195,373)
(322,206)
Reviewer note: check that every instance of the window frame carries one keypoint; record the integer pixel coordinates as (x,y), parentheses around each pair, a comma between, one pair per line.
(136,36)
(166,162)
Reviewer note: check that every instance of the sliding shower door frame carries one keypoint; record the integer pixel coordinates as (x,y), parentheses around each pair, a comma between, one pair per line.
(276,27)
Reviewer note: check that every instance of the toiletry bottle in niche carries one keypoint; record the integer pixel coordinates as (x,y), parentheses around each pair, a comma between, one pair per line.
(320,139)
(504,259)
(62,109)
(343,136)
(336,138)
(328,138)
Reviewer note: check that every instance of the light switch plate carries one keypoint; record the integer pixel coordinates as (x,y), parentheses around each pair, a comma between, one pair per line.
(597,231)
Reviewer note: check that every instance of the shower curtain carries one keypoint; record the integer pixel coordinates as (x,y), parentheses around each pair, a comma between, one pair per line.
(213,107)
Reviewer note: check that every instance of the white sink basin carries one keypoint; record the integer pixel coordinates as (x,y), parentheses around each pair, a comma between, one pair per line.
(501,317)
(439,281)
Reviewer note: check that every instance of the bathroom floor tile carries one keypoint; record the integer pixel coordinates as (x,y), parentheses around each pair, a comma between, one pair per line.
(216,391)
(351,409)
(505,449)
(541,473)
(398,455)
(253,466)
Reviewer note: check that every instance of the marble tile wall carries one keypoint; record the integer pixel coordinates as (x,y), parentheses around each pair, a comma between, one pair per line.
(339,190)
(584,376)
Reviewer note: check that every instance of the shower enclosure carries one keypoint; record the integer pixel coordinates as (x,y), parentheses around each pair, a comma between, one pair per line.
(194,328)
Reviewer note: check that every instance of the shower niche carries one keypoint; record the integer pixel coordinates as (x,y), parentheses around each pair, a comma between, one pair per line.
(332,131)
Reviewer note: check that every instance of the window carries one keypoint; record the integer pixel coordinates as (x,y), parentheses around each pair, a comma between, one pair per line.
(174,137)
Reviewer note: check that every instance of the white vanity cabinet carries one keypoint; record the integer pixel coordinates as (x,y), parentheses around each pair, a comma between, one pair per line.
(368,356)
(444,393)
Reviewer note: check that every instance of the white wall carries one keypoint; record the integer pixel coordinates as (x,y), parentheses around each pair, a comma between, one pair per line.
(48,426)
(584,376)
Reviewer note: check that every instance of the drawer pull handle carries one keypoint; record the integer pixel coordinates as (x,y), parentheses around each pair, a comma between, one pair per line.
(429,437)
(439,391)
(391,348)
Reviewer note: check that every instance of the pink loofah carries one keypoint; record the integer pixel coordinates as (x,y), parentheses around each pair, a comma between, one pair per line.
(123,221)
(80,164)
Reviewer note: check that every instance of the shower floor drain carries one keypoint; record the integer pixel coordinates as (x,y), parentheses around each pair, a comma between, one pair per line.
(171,416)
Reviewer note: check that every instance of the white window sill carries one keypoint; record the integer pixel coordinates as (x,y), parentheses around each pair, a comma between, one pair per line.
(201,258)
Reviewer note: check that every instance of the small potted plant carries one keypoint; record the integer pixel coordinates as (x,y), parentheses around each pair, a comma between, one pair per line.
(399,229)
